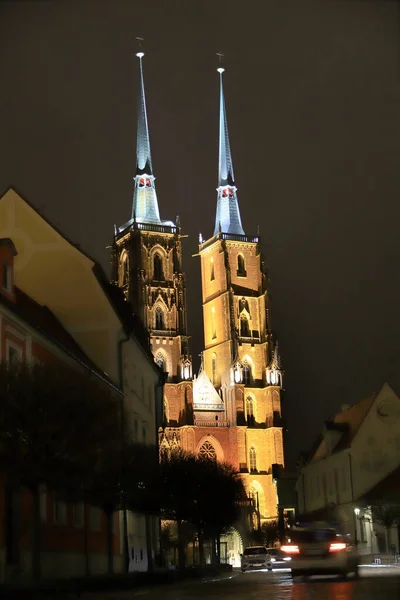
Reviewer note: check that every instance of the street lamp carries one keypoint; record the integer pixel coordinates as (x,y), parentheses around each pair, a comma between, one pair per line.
(356,513)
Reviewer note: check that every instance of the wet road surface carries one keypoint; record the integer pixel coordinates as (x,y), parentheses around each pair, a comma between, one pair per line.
(374,584)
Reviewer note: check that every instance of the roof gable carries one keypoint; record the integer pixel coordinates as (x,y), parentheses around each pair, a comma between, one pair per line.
(345,424)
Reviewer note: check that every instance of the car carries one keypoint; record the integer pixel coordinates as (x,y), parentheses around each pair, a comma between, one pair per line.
(255,557)
(279,559)
(320,550)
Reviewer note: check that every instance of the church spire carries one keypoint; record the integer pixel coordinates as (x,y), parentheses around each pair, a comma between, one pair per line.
(227,218)
(145,205)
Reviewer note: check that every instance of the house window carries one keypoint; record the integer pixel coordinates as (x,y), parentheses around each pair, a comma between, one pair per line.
(318,493)
(60,510)
(6,277)
(158,272)
(241,270)
(95,519)
(246,373)
(43,502)
(344,480)
(207,450)
(363,529)
(160,318)
(14,354)
(214,368)
(253,459)
(212,273)
(78,514)
(144,433)
(244,326)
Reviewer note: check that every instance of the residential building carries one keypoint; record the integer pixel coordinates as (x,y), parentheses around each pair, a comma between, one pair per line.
(58,275)
(30,332)
(351,472)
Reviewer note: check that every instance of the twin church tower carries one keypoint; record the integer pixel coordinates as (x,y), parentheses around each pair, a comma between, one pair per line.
(232,410)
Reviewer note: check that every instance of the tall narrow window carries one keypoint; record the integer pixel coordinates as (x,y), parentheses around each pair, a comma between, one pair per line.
(241,270)
(160,318)
(123,275)
(214,368)
(213,326)
(250,417)
(158,272)
(246,373)
(244,326)
(212,273)
(166,411)
(253,459)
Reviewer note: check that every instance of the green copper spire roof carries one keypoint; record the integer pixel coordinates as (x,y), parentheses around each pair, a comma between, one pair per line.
(227,218)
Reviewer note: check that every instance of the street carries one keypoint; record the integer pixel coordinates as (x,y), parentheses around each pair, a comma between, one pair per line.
(382,583)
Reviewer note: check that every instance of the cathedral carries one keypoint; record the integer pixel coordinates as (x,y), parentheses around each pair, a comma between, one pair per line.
(230,410)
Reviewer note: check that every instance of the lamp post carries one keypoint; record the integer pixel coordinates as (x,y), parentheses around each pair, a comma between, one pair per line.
(356,513)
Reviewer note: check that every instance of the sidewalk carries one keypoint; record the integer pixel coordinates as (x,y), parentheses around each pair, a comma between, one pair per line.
(382,560)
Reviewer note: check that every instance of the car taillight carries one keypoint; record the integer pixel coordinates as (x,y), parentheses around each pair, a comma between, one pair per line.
(290,549)
(337,547)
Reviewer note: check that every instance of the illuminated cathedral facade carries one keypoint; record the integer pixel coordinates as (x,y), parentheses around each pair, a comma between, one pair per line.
(231,410)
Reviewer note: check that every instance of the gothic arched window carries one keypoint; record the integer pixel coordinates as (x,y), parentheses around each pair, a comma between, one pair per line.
(214,368)
(244,326)
(253,459)
(212,273)
(207,450)
(160,318)
(241,268)
(250,412)
(123,269)
(244,305)
(158,272)
(160,360)
(166,411)
(257,493)
(246,373)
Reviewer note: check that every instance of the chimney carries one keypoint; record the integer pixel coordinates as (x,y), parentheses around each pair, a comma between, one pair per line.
(7,253)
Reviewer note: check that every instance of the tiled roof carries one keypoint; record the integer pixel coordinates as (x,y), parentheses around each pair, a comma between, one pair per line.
(46,323)
(348,423)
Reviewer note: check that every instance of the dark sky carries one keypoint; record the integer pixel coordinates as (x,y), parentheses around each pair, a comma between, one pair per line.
(313,101)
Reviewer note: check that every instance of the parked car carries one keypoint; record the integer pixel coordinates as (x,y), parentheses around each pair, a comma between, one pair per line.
(279,559)
(255,557)
(317,550)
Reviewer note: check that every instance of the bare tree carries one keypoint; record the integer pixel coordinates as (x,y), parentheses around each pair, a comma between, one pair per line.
(55,425)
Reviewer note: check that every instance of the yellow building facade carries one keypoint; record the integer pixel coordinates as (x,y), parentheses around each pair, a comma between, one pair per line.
(231,410)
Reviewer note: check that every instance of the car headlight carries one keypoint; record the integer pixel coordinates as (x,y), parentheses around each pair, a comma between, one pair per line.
(272,559)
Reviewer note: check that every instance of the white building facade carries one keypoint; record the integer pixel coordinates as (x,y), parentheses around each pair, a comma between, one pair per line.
(343,477)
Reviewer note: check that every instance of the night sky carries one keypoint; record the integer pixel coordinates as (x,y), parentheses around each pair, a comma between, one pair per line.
(313,102)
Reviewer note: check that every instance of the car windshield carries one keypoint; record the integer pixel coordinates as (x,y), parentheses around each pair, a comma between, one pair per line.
(309,536)
(259,550)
